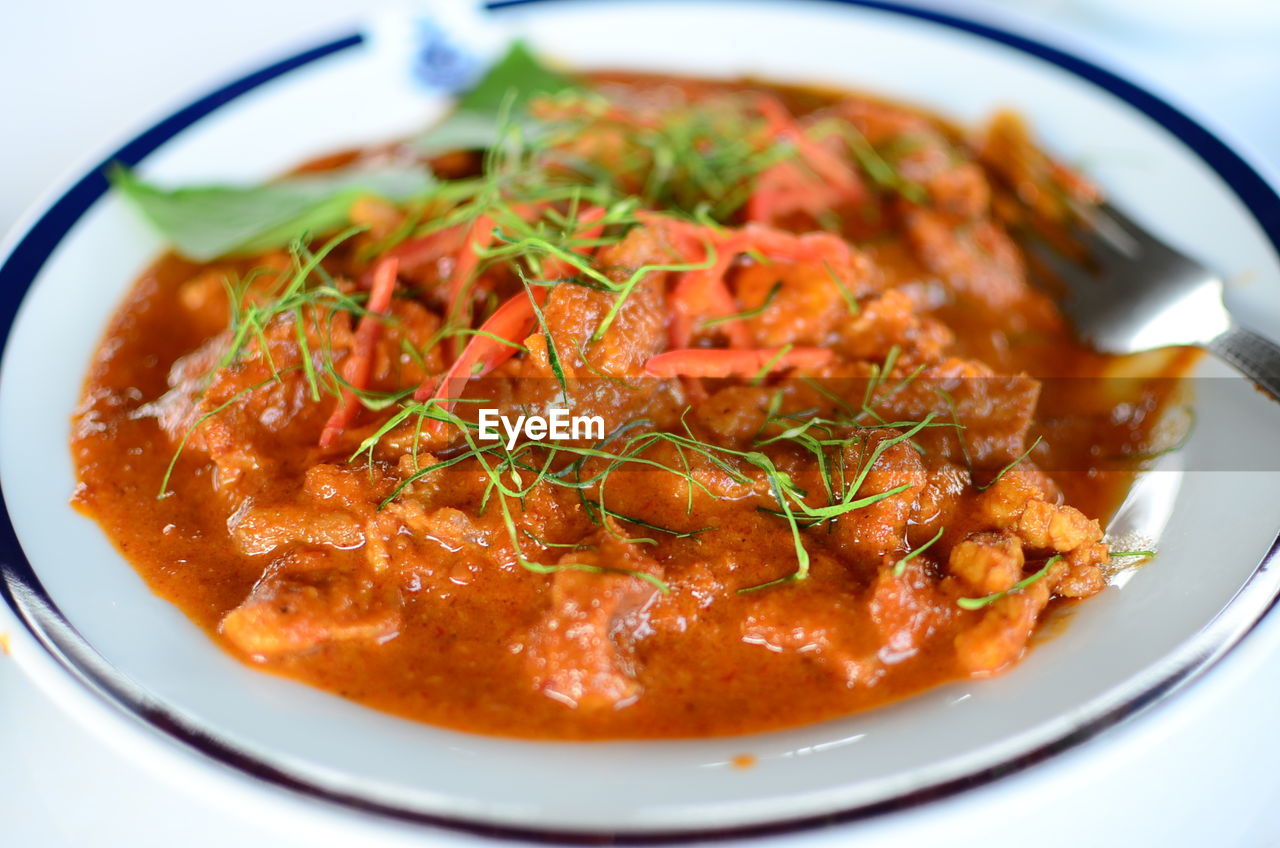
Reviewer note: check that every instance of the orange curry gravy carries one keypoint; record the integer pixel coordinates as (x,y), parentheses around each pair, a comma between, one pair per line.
(279,550)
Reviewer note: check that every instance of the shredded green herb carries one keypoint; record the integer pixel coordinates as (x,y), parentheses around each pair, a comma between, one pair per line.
(901,565)
(746,314)
(979,603)
(999,474)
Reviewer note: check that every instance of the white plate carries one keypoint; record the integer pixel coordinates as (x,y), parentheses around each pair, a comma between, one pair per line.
(1124,650)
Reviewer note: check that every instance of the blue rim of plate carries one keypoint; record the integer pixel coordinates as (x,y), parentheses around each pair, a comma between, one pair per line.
(26,596)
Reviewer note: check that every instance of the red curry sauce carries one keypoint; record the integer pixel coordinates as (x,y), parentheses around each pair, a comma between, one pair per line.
(424,600)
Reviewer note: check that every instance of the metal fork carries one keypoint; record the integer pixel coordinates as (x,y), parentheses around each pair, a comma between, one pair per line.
(1137,293)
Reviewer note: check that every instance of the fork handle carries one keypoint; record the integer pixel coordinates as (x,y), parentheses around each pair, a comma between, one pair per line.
(1256,357)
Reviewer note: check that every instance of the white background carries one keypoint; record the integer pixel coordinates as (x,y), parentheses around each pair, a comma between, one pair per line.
(77,78)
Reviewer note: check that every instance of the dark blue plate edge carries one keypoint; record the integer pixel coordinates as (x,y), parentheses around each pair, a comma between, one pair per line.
(24,593)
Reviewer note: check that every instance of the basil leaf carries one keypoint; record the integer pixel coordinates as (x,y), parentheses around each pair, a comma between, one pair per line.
(517,70)
(206,222)
(473,125)
(463,131)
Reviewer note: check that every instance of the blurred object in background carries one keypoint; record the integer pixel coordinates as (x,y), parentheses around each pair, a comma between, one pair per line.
(1218,57)
(1197,18)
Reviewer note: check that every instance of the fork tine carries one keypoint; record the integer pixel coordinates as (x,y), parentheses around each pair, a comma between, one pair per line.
(1107,235)
(1130,227)
(1070,272)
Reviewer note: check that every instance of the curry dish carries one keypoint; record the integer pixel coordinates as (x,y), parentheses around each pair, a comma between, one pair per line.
(849,452)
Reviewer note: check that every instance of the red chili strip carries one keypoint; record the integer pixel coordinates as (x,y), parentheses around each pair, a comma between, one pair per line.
(358,366)
(707,362)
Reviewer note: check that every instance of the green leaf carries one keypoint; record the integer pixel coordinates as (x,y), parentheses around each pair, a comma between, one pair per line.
(205,222)
(510,83)
(465,131)
(518,70)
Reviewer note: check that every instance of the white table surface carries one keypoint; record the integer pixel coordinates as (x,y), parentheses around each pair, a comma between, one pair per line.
(76,77)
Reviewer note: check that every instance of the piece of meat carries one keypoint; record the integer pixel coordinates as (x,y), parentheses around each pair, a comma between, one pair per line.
(302,603)
(1001,505)
(872,531)
(238,415)
(354,487)
(689,491)
(976,259)
(1047,190)
(887,321)
(921,154)
(605,376)
(940,498)
(905,609)
(808,307)
(819,627)
(425,545)
(987,562)
(1056,527)
(259,530)
(582,653)
(735,414)
(1000,637)
(259,407)
(574,314)
(960,189)
(994,410)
